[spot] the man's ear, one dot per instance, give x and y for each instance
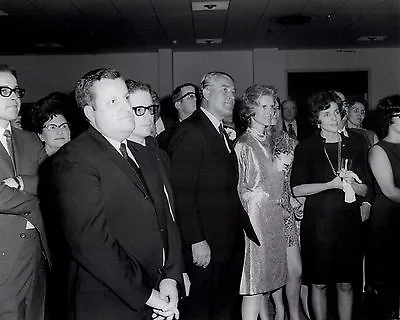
(89, 113)
(206, 93)
(177, 105)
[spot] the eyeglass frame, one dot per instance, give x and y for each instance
(187, 94)
(55, 127)
(153, 107)
(19, 92)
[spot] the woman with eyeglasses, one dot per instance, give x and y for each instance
(383, 258)
(47, 119)
(263, 157)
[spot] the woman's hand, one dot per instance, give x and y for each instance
(336, 183)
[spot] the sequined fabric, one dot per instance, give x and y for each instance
(260, 187)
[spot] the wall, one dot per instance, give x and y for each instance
(166, 69)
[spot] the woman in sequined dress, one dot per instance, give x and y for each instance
(262, 164)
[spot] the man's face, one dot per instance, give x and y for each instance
(289, 111)
(186, 103)
(111, 113)
(145, 122)
(9, 106)
(220, 94)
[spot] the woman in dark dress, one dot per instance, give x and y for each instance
(383, 254)
(330, 229)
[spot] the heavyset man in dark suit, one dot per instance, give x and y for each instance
(23, 246)
(121, 239)
(209, 213)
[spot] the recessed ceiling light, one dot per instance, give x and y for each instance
(48, 45)
(209, 41)
(372, 38)
(210, 6)
(2, 13)
(174, 41)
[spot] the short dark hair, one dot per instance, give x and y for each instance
(178, 89)
(388, 107)
(352, 100)
(45, 109)
(321, 101)
(7, 68)
(250, 100)
(84, 94)
(205, 80)
(134, 86)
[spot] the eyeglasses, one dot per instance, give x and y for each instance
(53, 127)
(187, 95)
(7, 91)
(141, 110)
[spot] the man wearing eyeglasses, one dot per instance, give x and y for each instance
(23, 247)
(210, 216)
(118, 239)
(184, 99)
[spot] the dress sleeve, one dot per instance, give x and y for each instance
(300, 167)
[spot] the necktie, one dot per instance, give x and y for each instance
(291, 131)
(221, 131)
(132, 163)
(10, 147)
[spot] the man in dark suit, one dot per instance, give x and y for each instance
(184, 99)
(23, 248)
(209, 213)
(296, 128)
(121, 239)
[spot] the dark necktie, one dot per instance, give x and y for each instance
(221, 131)
(10, 147)
(132, 163)
(291, 131)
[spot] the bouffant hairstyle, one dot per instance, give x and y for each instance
(55, 103)
(321, 101)
(387, 108)
(250, 100)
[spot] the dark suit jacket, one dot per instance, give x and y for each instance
(114, 228)
(16, 207)
(204, 176)
(304, 128)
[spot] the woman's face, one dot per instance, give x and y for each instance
(395, 125)
(55, 132)
(267, 111)
(356, 114)
(330, 118)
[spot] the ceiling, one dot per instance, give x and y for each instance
(98, 26)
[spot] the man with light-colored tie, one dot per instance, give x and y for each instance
(23, 249)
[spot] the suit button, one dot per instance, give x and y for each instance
(162, 229)
(22, 235)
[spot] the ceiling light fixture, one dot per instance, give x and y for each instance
(210, 6)
(209, 41)
(2, 13)
(372, 38)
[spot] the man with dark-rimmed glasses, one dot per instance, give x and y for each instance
(22, 243)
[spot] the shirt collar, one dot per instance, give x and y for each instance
(116, 144)
(4, 129)
(212, 118)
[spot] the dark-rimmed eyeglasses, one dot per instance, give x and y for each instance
(187, 95)
(53, 127)
(7, 91)
(141, 110)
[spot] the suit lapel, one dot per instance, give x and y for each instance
(5, 162)
(211, 135)
(116, 158)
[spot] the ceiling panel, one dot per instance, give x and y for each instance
(91, 26)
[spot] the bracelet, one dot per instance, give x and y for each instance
(18, 183)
